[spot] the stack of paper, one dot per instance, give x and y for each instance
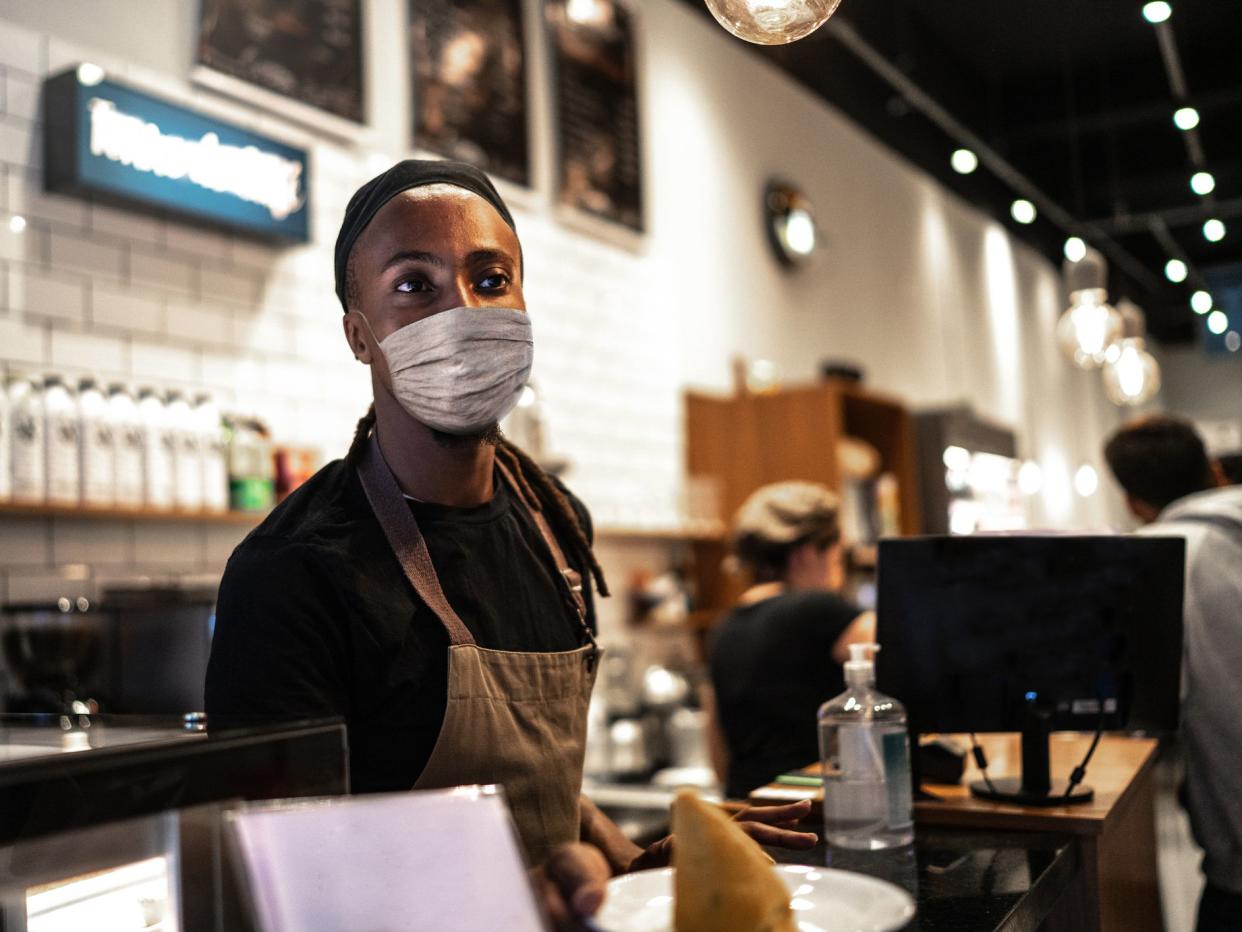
(443, 860)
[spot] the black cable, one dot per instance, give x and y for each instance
(981, 761)
(1080, 772)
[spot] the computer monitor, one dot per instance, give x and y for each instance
(1032, 634)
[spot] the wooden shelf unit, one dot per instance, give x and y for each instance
(745, 441)
(675, 535)
(87, 513)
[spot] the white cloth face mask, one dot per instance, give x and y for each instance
(462, 370)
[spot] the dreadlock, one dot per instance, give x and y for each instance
(534, 484)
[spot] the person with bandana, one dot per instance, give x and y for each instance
(432, 587)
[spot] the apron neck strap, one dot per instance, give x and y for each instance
(570, 576)
(406, 540)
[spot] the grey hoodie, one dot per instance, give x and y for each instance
(1211, 523)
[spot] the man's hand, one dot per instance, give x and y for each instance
(768, 825)
(571, 884)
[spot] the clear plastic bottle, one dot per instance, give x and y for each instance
(865, 753)
(64, 479)
(127, 431)
(98, 467)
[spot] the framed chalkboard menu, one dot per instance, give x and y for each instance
(599, 163)
(285, 54)
(469, 70)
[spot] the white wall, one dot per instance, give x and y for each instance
(1201, 386)
(936, 301)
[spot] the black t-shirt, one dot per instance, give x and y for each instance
(772, 668)
(315, 617)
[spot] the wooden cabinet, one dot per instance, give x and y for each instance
(748, 440)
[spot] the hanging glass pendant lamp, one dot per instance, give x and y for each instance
(772, 22)
(1090, 326)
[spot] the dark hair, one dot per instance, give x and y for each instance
(536, 487)
(1231, 466)
(352, 295)
(1158, 460)
(768, 561)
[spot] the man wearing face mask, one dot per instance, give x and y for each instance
(430, 587)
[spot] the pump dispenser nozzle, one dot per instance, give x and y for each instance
(860, 668)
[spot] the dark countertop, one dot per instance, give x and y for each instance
(964, 880)
(961, 880)
(63, 772)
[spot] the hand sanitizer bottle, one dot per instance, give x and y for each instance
(865, 753)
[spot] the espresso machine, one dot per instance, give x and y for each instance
(139, 649)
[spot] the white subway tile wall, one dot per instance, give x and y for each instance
(88, 288)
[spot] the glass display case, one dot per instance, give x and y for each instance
(60, 772)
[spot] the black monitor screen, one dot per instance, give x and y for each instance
(974, 629)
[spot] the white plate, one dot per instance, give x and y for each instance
(823, 899)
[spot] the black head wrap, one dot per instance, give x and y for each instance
(411, 173)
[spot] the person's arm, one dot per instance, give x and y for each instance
(599, 830)
(572, 883)
(859, 631)
(279, 648)
(717, 748)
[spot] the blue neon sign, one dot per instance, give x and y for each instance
(105, 140)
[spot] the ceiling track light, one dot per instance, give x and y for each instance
(1186, 118)
(1202, 183)
(888, 71)
(964, 161)
(1214, 230)
(1175, 271)
(1156, 12)
(1023, 211)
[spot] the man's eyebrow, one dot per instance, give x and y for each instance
(491, 255)
(413, 256)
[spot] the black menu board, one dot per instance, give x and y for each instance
(599, 168)
(469, 71)
(306, 50)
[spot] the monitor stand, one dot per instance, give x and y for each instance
(1035, 787)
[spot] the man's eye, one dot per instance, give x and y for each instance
(494, 281)
(411, 286)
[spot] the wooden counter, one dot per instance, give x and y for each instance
(1117, 888)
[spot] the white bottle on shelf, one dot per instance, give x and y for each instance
(214, 449)
(26, 451)
(64, 482)
(98, 463)
(6, 448)
(157, 451)
(128, 439)
(187, 458)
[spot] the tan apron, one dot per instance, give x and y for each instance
(512, 718)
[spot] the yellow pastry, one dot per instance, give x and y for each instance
(722, 880)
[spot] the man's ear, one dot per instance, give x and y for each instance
(1219, 479)
(1142, 510)
(356, 334)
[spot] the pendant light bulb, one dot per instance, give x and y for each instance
(772, 22)
(1089, 328)
(1132, 376)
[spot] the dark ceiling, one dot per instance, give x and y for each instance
(1073, 94)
